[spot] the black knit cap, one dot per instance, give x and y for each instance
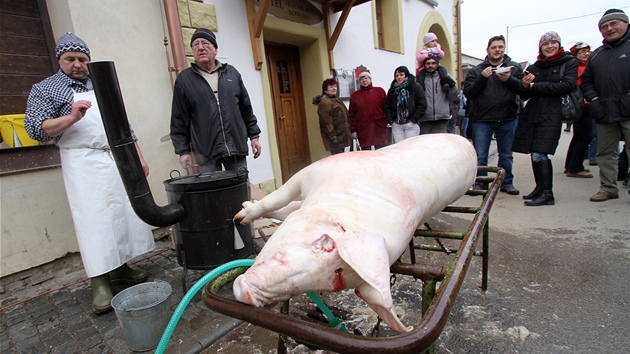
(205, 33)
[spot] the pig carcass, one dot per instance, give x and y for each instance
(350, 216)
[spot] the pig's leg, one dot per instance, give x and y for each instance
(281, 202)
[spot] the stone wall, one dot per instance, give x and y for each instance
(192, 15)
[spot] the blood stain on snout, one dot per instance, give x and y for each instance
(339, 283)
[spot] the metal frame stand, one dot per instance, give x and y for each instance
(436, 303)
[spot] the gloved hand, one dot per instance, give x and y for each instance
(335, 143)
(446, 80)
(354, 135)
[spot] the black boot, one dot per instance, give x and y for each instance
(622, 169)
(546, 179)
(538, 188)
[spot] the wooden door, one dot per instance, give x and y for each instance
(288, 104)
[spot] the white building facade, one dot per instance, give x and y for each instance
(281, 54)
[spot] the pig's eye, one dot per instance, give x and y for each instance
(324, 244)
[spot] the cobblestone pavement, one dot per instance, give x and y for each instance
(48, 309)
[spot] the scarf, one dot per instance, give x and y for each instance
(558, 54)
(402, 95)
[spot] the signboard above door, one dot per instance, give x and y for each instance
(300, 11)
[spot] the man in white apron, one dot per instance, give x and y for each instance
(63, 107)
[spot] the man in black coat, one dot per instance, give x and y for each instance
(606, 84)
(491, 89)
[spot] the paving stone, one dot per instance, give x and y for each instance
(46, 326)
(64, 348)
(71, 308)
(8, 301)
(89, 341)
(30, 345)
(23, 330)
(56, 337)
(45, 317)
(78, 323)
(100, 349)
(60, 296)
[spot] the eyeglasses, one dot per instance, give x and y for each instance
(202, 43)
(609, 24)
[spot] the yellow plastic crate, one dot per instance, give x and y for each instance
(13, 133)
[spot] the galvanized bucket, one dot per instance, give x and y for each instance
(143, 312)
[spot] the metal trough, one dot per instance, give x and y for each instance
(435, 306)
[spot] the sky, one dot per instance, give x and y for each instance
(524, 22)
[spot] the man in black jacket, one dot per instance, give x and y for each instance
(606, 84)
(212, 112)
(490, 89)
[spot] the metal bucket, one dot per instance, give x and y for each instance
(143, 312)
(205, 237)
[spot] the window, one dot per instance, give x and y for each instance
(388, 29)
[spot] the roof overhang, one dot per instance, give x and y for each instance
(256, 20)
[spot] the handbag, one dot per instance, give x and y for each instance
(572, 103)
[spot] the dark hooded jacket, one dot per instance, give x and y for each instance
(215, 131)
(490, 99)
(416, 104)
(540, 122)
(607, 76)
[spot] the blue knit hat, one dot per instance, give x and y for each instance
(71, 43)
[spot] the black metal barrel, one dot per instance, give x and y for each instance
(205, 237)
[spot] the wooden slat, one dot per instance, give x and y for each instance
(12, 104)
(20, 26)
(18, 84)
(19, 7)
(24, 64)
(23, 46)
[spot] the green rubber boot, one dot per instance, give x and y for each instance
(101, 294)
(126, 276)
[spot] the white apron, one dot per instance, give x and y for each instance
(108, 230)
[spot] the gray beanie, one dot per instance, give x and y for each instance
(71, 43)
(205, 33)
(613, 14)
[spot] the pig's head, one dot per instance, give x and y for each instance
(313, 251)
(301, 256)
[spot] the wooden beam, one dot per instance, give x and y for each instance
(256, 20)
(259, 21)
(342, 21)
(326, 14)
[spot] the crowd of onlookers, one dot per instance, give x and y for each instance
(520, 108)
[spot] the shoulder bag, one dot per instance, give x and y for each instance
(572, 102)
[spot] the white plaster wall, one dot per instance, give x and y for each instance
(356, 45)
(35, 222)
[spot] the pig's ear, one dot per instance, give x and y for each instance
(367, 254)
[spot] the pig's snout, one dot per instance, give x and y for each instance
(242, 291)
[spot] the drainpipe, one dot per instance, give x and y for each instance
(175, 32)
(458, 15)
(123, 149)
